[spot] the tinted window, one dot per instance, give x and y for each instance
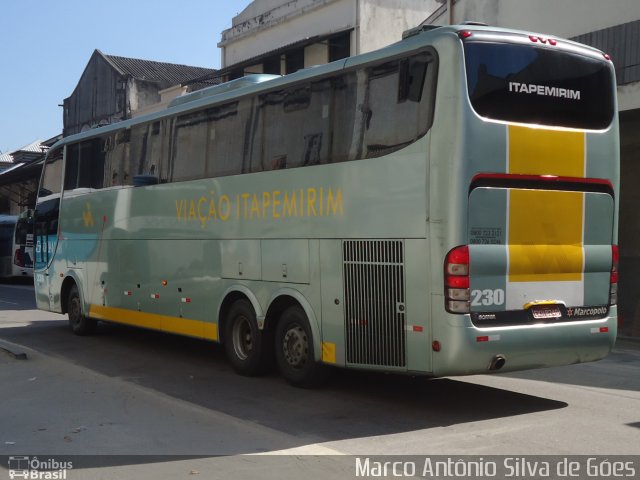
(527, 84)
(52, 177)
(117, 167)
(6, 238)
(85, 165)
(23, 228)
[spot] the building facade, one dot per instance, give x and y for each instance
(280, 37)
(113, 88)
(19, 181)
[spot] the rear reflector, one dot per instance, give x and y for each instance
(458, 294)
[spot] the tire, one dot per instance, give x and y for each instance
(244, 342)
(295, 353)
(79, 323)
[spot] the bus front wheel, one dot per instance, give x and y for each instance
(294, 350)
(244, 342)
(79, 323)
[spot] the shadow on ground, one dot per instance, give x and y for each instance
(353, 405)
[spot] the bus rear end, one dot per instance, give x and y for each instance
(530, 278)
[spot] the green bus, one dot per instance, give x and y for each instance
(446, 205)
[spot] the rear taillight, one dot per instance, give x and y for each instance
(613, 293)
(17, 258)
(456, 280)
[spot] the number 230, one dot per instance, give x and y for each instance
(480, 298)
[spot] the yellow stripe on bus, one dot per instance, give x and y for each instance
(536, 151)
(545, 227)
(182, 326)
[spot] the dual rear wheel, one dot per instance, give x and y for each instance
(251, 351)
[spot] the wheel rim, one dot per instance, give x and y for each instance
(242, 338)
(295, 346)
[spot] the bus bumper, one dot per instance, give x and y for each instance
(466, 349)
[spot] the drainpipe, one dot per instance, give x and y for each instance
(450, 11)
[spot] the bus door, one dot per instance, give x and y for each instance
(46, 225)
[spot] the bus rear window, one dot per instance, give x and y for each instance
(537, 85)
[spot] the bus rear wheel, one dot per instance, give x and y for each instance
(79, 323)
(244, 342)
(295, 353)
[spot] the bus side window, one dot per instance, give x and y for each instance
(85, 165)
(72, 167)
(395, 121)
(225, 136)
(155, 161)
(190, 146)
(47, 208)
(116, 159)
(343, 107)
(91, 164)
(296, 124)
(412, 75)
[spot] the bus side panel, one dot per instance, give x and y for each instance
(418, 306)
(331, 286)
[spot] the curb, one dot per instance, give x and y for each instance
(13, 352)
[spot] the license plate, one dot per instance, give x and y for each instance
(542, 312)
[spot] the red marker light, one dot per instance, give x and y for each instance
(615, 260)
(482, 339)
(464, 34)
(552, 42)
(435, 345)
(606, 56)
(533, 39)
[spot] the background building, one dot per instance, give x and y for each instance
(112, 89)
(19, 181)
(279, 37)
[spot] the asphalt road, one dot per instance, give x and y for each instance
(127, 391)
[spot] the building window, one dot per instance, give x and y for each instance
(340, 46)
(294, 60)
(237, 73)
(272, 65)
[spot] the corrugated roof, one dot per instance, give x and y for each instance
(26, 151)
(161, 72)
